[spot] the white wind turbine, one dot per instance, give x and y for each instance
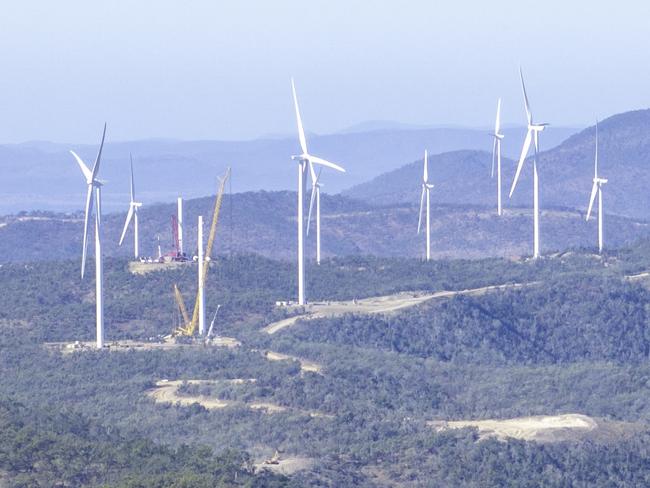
(426, 188)
(597, 188)
(133, 213)
(304, 159)
(94, 189)
(496, 155)
(532, 135)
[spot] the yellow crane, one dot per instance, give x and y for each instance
(190, 325)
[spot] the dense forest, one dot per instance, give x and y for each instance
(41, 448)
(575, 339)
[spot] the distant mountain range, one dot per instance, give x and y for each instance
(566, 172)
(43, 175)
(380, 216)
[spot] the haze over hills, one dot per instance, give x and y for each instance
(382, 217)
(43, 175)
(264, 223)
(566, 172)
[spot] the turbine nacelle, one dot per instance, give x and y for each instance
(304, 157)
(537, 127)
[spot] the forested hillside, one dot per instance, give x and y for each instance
(574, 337)
(45, 448)
(264, 223)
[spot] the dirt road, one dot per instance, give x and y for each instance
(383, 304)
(166, 391)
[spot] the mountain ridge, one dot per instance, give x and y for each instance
(43, 175)
(566, 172)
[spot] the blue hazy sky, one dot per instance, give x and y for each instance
(220, 70)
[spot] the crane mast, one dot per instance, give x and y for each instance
(190, 326)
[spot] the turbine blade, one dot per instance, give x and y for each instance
(497, 124)
(314, 189)
(301, 131)
(323, 162)
(312, 173)
(129, 215)
(84, 169)
(421, 207)
(594, 190)
(99, 154)
(89, 210)
(529, 116)
(524, 153)
(132, 183)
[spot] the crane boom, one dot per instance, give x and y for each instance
(208, 249)
(191, 324)
(181, 306)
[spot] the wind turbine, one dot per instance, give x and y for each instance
(426, 188)
(303, 159)
(133, 213)
(94, 189)
(496, 155)
(532, 135)
(597, 188)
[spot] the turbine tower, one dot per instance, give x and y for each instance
(94, 190)
(303, 159)
(426, 187)
(532, 135)
(597, 188)
(496, 155)
(201, 285)
(132, 213)
(179, 218)
(315, 196)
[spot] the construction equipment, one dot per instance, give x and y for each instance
(275, 459)
(181, 306)
(175, 255)
(190, 325)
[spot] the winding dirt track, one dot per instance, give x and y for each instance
(376, 305)
(166, 391)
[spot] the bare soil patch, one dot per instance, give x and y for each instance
(545, 428)
(129, 345)
(305, 364)
(286, 465)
